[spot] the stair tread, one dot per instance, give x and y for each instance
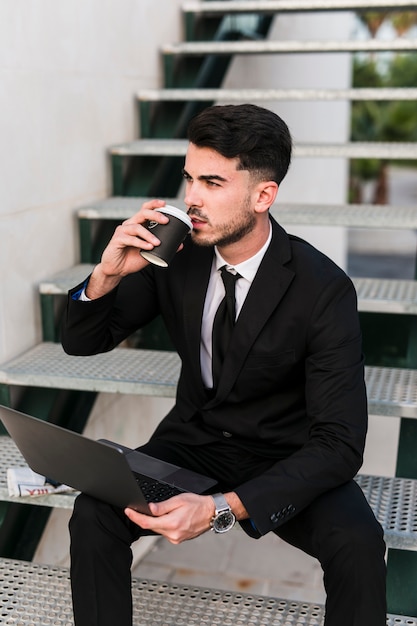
(178, 147)
(391, 391)
(392, 499)
(268, 46)
(123, 370)
(174, 603)
(34, 593)
(386, 295)
(251, 95)
(352, 215)
(119, 207)
(272, 6)
(10, 457)
(374, 294)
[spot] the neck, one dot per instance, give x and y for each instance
(246, 247)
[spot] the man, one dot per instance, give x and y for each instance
(282, 428)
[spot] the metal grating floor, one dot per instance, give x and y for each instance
(268, 46)
(356, 215)
(391, 391)
(241, 95)
(353, 150)
(383, 295)
(123, 370)
(386, 296)
(11, 457)
(241, 6)
(393, 500)
(380, 295)
(39, 595)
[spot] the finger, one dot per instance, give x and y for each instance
(147, 212)
(135, 236)
(144, 521)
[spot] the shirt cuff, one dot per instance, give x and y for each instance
(80, 294)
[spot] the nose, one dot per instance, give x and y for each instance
(192, 197)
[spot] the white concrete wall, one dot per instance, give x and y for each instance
(69, 71)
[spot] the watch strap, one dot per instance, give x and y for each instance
(220, 503)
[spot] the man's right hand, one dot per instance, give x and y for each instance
(121, 256)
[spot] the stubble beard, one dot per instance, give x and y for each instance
(228, 233)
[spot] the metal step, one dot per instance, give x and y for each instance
(40, 594)
(350, 215)
(230, 48)
(354, 150)
(374, 294)
(394, 503)
(269, 7)
(11, 457)
(391, 391)
(393, 500)
(386, 296)
(271, 95)
(123, 370)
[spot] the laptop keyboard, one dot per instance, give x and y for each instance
(155, 491)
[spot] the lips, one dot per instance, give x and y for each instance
(197, 222)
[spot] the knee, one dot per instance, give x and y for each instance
(95, 523)
(357, 542)
(87, 512)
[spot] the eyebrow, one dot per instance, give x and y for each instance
(206, 176)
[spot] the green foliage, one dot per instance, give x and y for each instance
(385, 121)
(366, 73)
(402, 71)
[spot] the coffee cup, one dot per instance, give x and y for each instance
(171, 235)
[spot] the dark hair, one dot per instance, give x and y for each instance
(258, 137)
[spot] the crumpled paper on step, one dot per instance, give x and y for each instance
(22, 481)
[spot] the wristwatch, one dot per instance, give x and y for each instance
(223, 519)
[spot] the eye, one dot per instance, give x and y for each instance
(186, 176)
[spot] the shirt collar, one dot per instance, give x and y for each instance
(247, 269)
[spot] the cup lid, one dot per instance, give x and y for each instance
(175, 212)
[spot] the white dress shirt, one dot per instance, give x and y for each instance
(215, 294)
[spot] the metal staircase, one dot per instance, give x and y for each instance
(52, 385)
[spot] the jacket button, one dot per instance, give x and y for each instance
(226, 434)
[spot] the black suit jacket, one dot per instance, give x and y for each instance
(292, 386)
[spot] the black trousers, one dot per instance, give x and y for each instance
(338, 528)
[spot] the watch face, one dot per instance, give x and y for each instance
(223, 522)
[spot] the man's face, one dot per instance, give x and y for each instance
(219, 198)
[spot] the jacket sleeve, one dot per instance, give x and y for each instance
(336, 408)
(99, 325)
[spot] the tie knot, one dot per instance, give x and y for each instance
(229, 279)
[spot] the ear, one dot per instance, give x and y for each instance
(266, 194)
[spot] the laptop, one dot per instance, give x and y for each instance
(102, 469)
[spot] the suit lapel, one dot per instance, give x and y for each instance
(196, 282)
(268, 288)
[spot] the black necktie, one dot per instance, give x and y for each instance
(224, 320)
